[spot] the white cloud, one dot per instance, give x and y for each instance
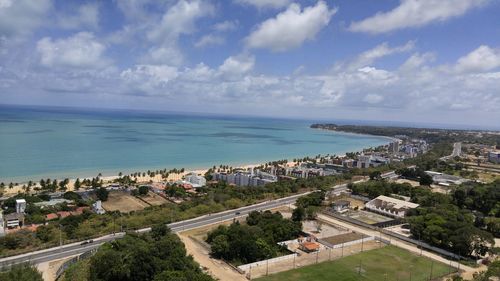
(79, 51)
(149, 78)
(87, 15)
(483, 58)
(163, 55)
(417, 60)
(226, 26)
(208, 40)
(368, 57)
(235, 66)
(291, 28)
(18, 18)
(177, 20)
(180, 19)
(262, 4)
(373, 98)
(415, 13)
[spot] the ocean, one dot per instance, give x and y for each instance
(44, 142)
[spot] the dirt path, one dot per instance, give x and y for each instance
(467, 271)
(216, 268)
(49, 269)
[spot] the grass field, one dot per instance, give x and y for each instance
(387, 263)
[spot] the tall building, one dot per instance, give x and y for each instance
(394, 147)
(20, 206)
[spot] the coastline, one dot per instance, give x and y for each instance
(107, 175)
(357, 134)
(157, 178)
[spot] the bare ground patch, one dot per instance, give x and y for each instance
(123, 202)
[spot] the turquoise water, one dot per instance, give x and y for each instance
(41, 142)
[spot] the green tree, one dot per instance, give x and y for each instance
(102, 194)
(298, 214)
(21, 272)
(77, 184)
(425, 179)
(220, 246)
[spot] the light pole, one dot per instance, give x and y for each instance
(60, 235)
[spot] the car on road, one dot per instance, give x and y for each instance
(87, 242)
(237, 213)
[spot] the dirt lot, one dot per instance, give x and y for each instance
(354, 202)
(412, 183)
(154, 199)
(123, 202)
(344, 238)
(326, 230)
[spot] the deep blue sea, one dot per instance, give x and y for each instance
(38, 142)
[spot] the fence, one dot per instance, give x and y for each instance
(72, 261)
(301, 259)
(337, 246)
(246, 267)
(420, 244)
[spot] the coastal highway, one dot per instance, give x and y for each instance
(77, 248)
(74, 249)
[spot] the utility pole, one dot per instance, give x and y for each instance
(267, 267)
(60, 235)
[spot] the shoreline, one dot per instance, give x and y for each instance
(157, 178)
(107, 177)
(357, 134)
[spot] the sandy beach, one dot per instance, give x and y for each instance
(140, 179)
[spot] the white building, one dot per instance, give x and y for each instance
(195, 180)
(2, 227)
(20, 206)
(97, 208)
(14, 220)
(494, 156)
(445, 179)
(390, 206)
(245, 178)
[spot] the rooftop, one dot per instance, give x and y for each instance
(396, 203)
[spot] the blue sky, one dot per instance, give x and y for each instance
(401, 60)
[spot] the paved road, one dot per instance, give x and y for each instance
(457, 151)
(76, 248)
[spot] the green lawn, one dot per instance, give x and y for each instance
(387, 263)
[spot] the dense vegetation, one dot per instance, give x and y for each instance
(21, 272)
(213, 198)
(431, 135)
(158, 255)
(256, 240)
(463, 222)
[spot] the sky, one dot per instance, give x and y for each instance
(432, 61)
